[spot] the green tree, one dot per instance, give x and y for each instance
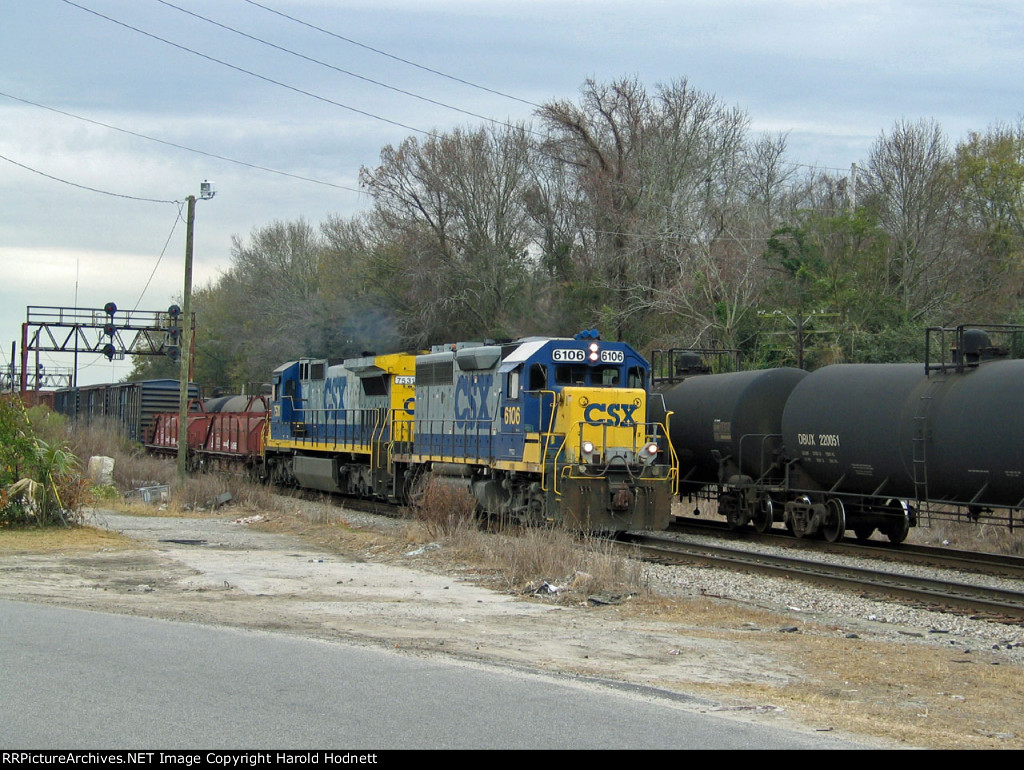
(990, 177)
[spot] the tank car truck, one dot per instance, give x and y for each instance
(545, 430)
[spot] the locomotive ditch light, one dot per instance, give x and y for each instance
(588, 448)
(649, 452)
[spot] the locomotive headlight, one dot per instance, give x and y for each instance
(595, 353)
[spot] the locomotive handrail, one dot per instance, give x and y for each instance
(673, 461)
(548, 434)
(359, 433)
(435, 443)
(377, 438)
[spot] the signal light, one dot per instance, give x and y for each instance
(108, 350)
(110, 308)
(172, 352)
(109, 329)
(174, 311)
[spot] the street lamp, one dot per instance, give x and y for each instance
(206, 192)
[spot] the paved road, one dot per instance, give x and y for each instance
(76, 679)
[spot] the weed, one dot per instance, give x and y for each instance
(444, 510)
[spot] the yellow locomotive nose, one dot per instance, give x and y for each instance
(602, 425)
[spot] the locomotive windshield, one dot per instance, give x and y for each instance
(598, 376)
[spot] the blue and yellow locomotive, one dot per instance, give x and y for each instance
(337, 428)
(539, 430)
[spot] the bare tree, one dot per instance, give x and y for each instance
(669, 178)
(910, 180)
(455, 206)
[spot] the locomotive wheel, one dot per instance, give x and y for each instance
(764, 515)
(834, 526)
(863, 532)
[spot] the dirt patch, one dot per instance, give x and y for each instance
(330, 578)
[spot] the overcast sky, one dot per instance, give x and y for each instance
(832, 75)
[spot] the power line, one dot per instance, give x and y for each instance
(313, 60)
(82, 186)
(244, 71)
(327, 100)
(180, 146)
(392, 56)
(446, 75)
(177, 218)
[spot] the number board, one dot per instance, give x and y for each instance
(565, 355)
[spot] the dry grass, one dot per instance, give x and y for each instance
(60, 539)
(444, 510)
(134, 468)
(520, 560)
(970, 536)
(911, 693)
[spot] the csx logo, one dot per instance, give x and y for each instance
(616, 415)
(471, 396)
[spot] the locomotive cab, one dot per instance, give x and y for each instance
(292, 386)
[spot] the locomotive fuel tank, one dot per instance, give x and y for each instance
(728, 424)
(890, 431)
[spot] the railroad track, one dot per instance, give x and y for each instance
(984, 602)
(1001, 565)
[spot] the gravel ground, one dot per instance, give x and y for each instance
(861, 614)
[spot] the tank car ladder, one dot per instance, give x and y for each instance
(919, 467)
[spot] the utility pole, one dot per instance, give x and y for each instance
(186, 343)
(206, 192)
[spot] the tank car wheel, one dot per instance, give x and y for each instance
(764, 515)
(863, 532)
(834, 526)
(734, 510)
(897, 531)
(798, 516)
(736, 520)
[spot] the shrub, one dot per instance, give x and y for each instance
(40, 479)
(444, 509)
